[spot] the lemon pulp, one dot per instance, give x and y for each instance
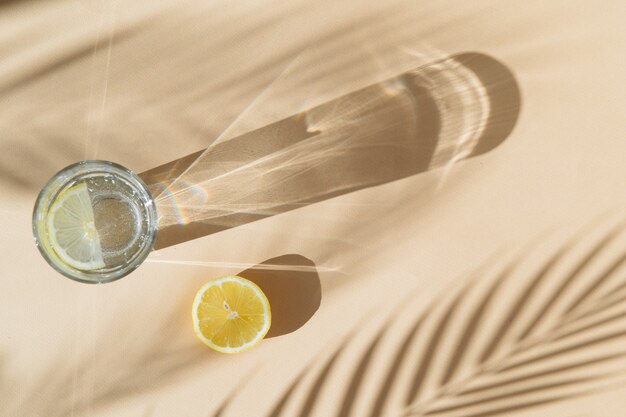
(231, 314)
(72, 230)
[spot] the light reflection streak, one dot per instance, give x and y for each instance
(224, 135)
(244, 265)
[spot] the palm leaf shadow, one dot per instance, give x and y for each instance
(522, 363)
(54, 393)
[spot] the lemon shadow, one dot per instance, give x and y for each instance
(292, 286)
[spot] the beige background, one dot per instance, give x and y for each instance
(147, 82)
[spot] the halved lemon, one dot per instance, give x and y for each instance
(231, 314)
(72, 230)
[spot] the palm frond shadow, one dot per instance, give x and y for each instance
(548, 336)
(56, 393)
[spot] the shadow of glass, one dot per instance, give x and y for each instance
(431, 117)
(9, 2)
(293, 288)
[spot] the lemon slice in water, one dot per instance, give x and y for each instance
(72, 230)
(231, 314)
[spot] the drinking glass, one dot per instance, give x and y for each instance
(95, 221)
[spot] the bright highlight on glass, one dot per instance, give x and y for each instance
(95, 221)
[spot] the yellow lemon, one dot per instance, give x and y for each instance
(72, 231)
(231, 314)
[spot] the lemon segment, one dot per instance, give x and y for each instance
(231, 314)
(72, 231)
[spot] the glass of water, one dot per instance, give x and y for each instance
(95, 221)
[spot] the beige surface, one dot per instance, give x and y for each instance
(148, 82)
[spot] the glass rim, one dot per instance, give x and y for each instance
(57, 183)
